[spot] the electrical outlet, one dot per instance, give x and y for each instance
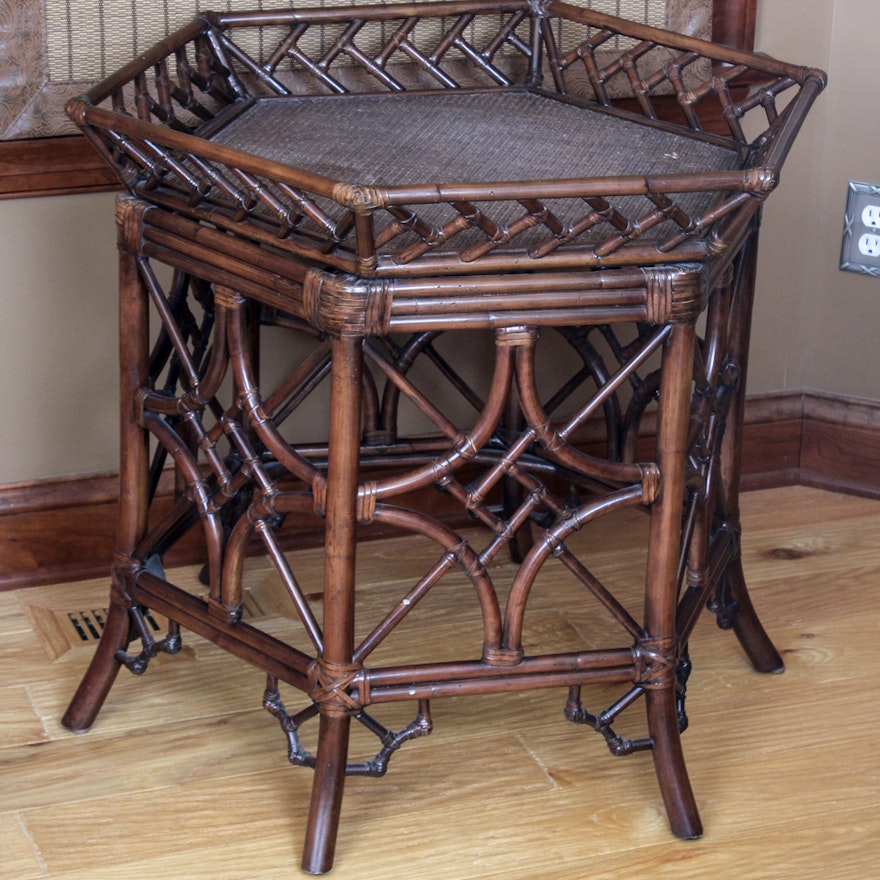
(861, 229)
(869, 245)
(871, 216)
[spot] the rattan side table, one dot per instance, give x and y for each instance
(370, 180)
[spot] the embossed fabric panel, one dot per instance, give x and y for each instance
(89, 39)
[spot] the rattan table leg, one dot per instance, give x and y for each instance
(733, 603)
(661, 647)
(327, 789)
(99, 677)
(675, 787)
(334, 663)
(133, 500)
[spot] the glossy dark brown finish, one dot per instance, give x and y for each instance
(619, 265)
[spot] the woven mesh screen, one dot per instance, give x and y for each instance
(89, 39)
(651, 12)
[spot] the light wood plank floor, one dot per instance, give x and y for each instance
(185, 776)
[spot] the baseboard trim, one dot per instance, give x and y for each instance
(63, 529)
(813, 439)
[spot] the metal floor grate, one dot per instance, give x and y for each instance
(88, 625)
(58, 630)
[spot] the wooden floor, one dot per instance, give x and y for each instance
(185, 775)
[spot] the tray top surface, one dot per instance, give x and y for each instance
(396, 139)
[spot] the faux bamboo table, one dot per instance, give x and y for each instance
(373, 180)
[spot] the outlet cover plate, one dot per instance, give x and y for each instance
(862, 204)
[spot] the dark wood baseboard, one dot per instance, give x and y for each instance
(840, 448)
(812, 439)
(58, 530)
(52, 166)
(772, 440)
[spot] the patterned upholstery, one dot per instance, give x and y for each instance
(51, 50)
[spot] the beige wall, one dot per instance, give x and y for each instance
(57, 336)
(816, 326)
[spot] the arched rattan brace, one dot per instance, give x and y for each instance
(457, 552)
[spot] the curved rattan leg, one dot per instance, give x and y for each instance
(134, 470)
(735, 611)
(732, 602)
(733, 606)
(660, 648)
(102, 671)
(333, 671)
(675, 787)
(327, 790)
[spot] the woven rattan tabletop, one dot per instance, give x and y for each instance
(394, 139)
